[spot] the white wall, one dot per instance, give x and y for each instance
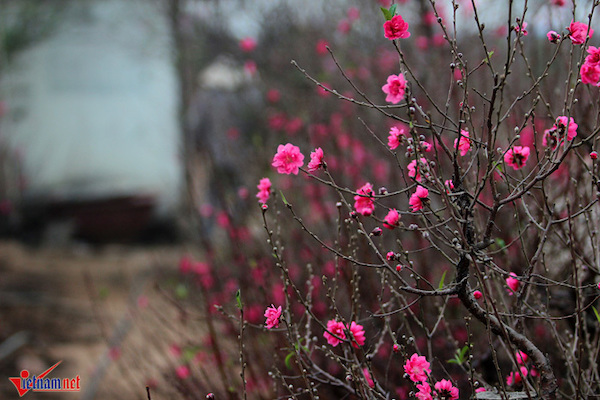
(93, 109)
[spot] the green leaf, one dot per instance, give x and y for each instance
(238, 298)
(393, 10)
(500, 242)
(103, 293)
(463, 353)
(386, 13)
(453, 361)
(181, 291)
(288, 360)
(283, 198)
(596, 312)
(442, 281)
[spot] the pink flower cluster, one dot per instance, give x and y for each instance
(516, 377)
(414, 168)
(418, 369)
(395, 137)
(335, 333)
(362, 204)
(264, 190)
(590, 70)
(464, 143)
(562, 127)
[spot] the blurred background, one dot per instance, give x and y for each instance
(133, 134)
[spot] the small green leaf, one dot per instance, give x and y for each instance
(453, 361)
(500, 242)
(103, 293)
(596, 312)
(463, 353)
(386, 13)
(283, 198)
(181, 291)
(288, 360)
(393, 10)
(238, 298)
(442, 281)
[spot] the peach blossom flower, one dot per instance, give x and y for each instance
(336, 328)
(417, 368)
(364, 205)
(417, 198)
(272, 314)
(394, 137)
(264, 190)
(446, 390)
(396, 28)
(578, 31)
(358, 334)
(517, 156)
(464, 143)
(316, 160)
(513, 283)
(288, 159)
(391, 219)
(394, 88)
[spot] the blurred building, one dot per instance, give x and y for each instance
(92, 112)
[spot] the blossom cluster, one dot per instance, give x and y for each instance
(418, 370)
(335, 333)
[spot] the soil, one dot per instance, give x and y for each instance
(96, 309)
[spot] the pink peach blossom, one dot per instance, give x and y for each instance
(272, 314)
(417, 198)
(182, 371)
(521, 28)
(561, 124)
(464, 143)
(477, 294)
(358, 334)
(391, 219)
(248, 44)
(336, 328)
(394, 137)
(424, 392)
(553, 36)
(394, 88)
(264, 190)
(512, 282)
(316, 160)
(517, 156)
(368, 378)
(578, 31)
(321, 47)
(396, 28)
(417, 368)
(288, 159)
(446, 390)
(364, 205)
(590, 74)
(414, 168)
(521, 357)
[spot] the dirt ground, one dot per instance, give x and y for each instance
(94, 308)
